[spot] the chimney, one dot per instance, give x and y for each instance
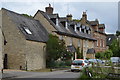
(69, 17)
(84, 17)
(49, 9)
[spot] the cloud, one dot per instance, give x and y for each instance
(106, 12)
(60, 0)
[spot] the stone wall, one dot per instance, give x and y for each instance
(21, 53)
(100, 45)
(44, 22)
(1, 44)
(15, 47)
(35, 55)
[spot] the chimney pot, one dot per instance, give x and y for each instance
(49, 9)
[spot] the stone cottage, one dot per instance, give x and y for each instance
(75, 34)
(25, 41)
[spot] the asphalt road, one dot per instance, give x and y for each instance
(55, 75)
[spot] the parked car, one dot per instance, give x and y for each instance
(115, 60)
(95, 61)
(79, 64)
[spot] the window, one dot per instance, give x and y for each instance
(61, 37)
(87, 31)
(71, 41)
(100, 42)
(78, 29)
(27, 30)
(103, 44)
(85, 44)
(78, 43)
(82, 30)
(97, 42)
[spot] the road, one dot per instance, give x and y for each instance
(55, 75)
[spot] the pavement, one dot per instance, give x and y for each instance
(21, 75)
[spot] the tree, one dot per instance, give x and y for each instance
(55, 50)
(104, 55)
(99, 55)
(108, 54)
(79, 55)
(115, 48)
(117, 33)
(27, 15)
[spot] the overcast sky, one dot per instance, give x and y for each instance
(105, 12)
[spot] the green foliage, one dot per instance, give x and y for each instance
(55, 50)
(76, 20)
(79, 55)
(27, 15)
(108, 54)
(99, 55)
(117, 33)
(104, 55)
(115, 48)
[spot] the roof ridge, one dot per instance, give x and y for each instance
(17, 13)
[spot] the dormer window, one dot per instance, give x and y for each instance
(87, 31)
(63, 23)
(78, 28)
(72, 27)
(53, 20)
(82, 30)
(27, 30)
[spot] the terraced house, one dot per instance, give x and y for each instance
(25, 37)
(25, 41)
(75, 34)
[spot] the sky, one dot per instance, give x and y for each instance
(106, 11)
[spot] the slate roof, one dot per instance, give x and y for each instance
(53, 15)
(63, 31)
(91, 51)
(39, 33)
(110, 38)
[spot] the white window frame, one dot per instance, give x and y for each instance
(78, 43)
(27, 30)
(97, 42)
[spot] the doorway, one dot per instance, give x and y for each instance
(5, 61)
